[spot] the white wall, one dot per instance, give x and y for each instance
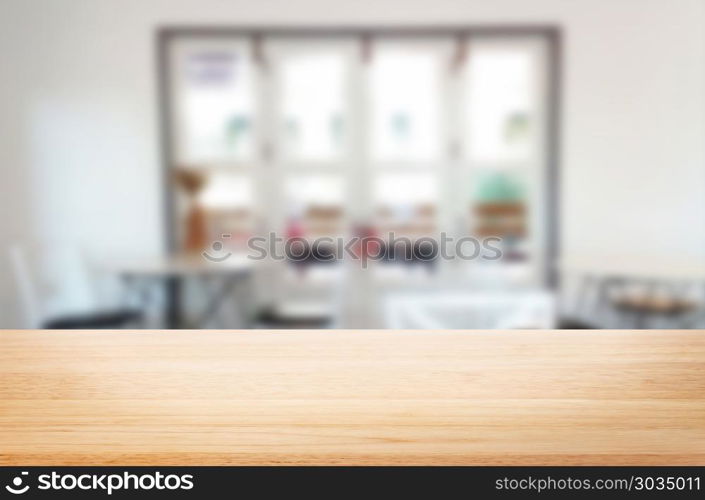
(79, 144)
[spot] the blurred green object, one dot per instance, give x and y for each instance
(517, 127)
(499, 187)
(236, 126)
(336, 127)
(401, 124)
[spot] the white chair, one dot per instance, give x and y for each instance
(55, 292)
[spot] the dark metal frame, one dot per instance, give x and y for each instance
(552, 34)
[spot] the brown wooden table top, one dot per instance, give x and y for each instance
(352, 397)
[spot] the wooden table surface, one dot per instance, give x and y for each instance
(352, 397)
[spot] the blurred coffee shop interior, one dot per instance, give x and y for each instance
(146, 143)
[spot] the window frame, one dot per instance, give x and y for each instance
(166, 36)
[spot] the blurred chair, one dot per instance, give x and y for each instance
(295, 315)
(55, 292)
(303, 311)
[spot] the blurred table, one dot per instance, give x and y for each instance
(598, 273)
(172, 271)
(361, 397)
(628, 266)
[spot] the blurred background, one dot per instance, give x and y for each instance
(146, 142)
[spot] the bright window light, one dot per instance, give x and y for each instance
(500, 116)
(217, 104)
(313, 103)
(404, 88)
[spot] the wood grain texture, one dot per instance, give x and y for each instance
(352, 397)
